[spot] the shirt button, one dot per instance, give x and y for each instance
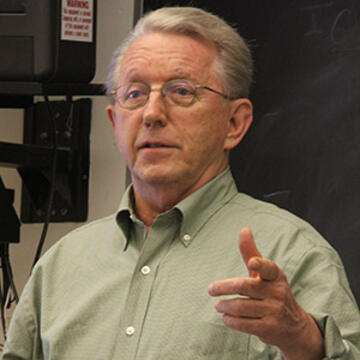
(130, 330)
(145, 270)
(186, 238)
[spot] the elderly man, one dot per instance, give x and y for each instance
(140, 284)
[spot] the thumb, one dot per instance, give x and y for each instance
(248, 248)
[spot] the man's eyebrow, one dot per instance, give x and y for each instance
(134, 78)
(183, 75)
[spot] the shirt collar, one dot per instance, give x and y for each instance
(199, 207)
(125, 215)
(196, 209)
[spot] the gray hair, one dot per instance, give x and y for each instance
(234, 68)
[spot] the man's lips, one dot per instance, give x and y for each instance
(155, 145)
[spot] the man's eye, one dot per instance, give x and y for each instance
(183, 91)
(135, 94)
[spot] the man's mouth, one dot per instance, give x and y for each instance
(154, 145)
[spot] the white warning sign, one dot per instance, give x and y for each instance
(77, 20)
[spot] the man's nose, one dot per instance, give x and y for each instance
(154, 111)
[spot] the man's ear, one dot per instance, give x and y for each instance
(240, 119)
(110, 112)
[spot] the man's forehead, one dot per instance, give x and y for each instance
(180, 55)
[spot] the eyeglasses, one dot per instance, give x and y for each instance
(177, 92)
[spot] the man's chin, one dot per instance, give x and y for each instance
(156, 176)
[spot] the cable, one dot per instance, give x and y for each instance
(7, 286)
(2, 309)
(10, 276)
(52, 126)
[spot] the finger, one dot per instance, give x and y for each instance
(248, 247)
(247, 325)
(267, 269)
(254, 288)
(239, 307)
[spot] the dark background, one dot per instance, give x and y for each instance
(303, 150)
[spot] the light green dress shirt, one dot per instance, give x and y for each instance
(105, 291)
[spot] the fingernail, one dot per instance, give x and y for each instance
(255, 263)
(218, 306)
(225, 319)
(210, 288)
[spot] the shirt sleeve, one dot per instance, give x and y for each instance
(321, 287)
(23, 342)
(336, 346)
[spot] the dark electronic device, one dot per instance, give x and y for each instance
(47, 40)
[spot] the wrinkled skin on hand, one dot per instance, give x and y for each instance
(267, 308)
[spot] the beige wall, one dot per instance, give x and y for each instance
(107, 170)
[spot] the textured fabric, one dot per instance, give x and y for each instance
(106, 292)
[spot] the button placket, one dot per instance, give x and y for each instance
(153, 250)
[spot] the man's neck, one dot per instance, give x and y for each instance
(151, 201)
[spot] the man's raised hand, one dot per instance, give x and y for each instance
(265, 306)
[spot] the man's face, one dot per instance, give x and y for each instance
(164, 143)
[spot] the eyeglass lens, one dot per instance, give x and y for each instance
(179, 92)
